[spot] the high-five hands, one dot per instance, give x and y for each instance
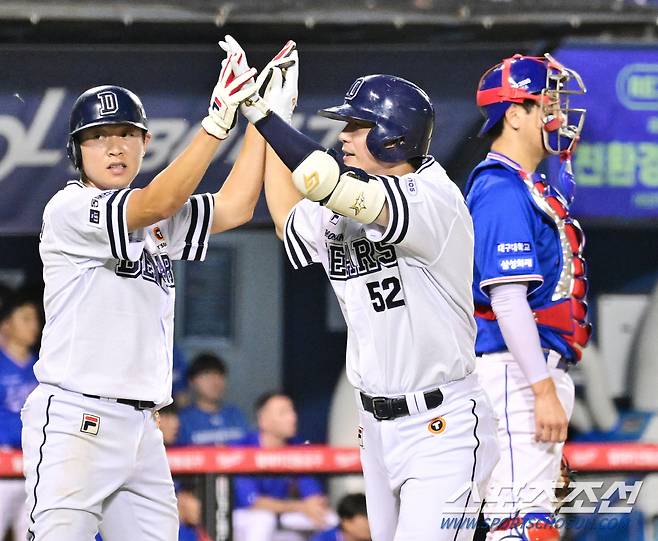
(275, 89)
(231, 89)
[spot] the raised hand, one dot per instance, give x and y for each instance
(231, 46)
(278, 82)
(231, 89)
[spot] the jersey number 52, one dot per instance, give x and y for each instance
(384, 294)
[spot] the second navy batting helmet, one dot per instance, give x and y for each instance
(400, 113)
(102, 105)
(540, 79)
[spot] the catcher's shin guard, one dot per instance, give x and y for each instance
(539, 527)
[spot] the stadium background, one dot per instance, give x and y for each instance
(279, 328)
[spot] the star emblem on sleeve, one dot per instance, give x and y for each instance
(359, 204)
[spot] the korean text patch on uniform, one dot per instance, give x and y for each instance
(515, 257)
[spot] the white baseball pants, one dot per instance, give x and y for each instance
(420, 483)
(83, 475)
(521, 480)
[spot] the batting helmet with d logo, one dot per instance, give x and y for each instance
(400, 113)
(101, 105)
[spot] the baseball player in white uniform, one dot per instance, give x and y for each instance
(395, 239)
(93, 456)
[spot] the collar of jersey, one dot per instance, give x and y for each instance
(427, 162)
(497, 156)
(75, 183)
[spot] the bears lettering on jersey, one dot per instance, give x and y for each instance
(157, 270)
(358, 257)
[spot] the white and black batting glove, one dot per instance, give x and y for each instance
(277, 81)
(231, 89)
(278, 87)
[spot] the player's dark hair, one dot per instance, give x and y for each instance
(5, 293)
(497, 129)
(264, 398)
(351, 505)
(171, 409)
(206, 362)
(415, 162)
(13, 300)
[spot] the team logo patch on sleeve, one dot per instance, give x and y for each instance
(436, 426)
(90, 424)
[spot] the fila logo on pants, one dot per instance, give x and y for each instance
(90, 424)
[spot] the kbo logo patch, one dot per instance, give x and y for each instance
(90, 424)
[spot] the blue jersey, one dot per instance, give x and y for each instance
(202, 428)
(178, 380)
(328, 535)
(518, 223)
(16, 383)
(191, 533)
(248, 489)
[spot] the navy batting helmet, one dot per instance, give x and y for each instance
(541, 79)
(400, 113)
(102, 105)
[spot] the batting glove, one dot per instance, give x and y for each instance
(231, 46)
(231, 89)
(278, 86)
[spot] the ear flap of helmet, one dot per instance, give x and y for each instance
(387, 141)
(73, 152)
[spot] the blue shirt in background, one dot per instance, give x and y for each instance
(248, 489)
(202, 428)
(16, 383)
(191, 533)
(179, 371)
(328, 535)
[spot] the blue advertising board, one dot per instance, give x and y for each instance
(616, 162)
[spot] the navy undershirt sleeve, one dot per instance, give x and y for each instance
(290, 145)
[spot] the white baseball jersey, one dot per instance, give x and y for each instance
(109, 294)
(404, 290)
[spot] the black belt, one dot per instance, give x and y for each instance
(384, 408)
(137, 404)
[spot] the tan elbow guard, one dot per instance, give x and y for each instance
(357, 199)
(318, 178)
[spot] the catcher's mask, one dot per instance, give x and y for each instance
(543, 80)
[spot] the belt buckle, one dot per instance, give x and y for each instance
(381, 409)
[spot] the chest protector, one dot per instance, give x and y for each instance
(566, 312)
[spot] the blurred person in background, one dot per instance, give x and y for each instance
(189, 512)
(179, 388)
(20, 326)
(169, 424)
(297, 503)
(353, 518)
(209, 420)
